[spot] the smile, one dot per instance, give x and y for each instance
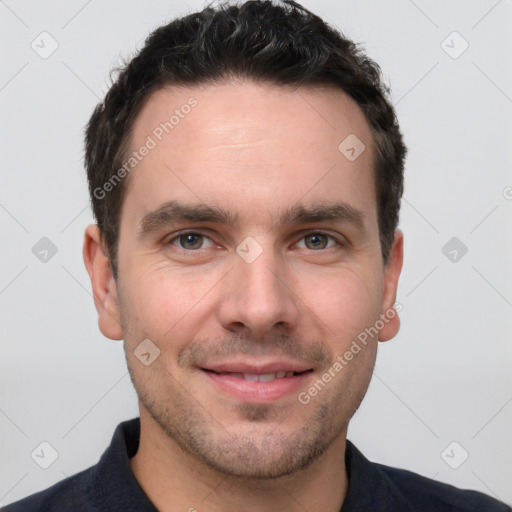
(257, 387)
(267, 377)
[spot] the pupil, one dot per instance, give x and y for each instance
(317, 237)
(190, 238)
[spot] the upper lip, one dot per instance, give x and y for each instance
(257, 368)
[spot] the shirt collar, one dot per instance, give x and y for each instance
(114, 486)
(369, 487)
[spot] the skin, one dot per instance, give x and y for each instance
(254, 149)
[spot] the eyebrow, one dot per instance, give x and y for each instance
(174, 211)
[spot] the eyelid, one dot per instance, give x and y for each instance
(179, 234)
(340, 240)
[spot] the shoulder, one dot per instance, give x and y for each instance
(374, 487)
(427, 495)
(62, 496)
(107, 485)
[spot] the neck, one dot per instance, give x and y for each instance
(175, 480)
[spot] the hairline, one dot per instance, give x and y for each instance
(318, 87)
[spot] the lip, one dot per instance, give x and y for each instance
(257, 368)
(256, 391)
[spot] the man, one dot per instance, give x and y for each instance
(245, 171)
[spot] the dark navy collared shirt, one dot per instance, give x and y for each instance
(110, 486)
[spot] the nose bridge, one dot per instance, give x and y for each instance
(259, 294)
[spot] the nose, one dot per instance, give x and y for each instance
(259, 297)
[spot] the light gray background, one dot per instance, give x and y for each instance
(446, 376)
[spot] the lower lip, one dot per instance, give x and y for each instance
(255, 391)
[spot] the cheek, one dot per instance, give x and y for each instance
(160, 304)
(347, 304)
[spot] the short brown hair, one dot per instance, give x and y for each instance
(283, 44)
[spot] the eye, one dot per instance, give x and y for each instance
(318, 240)
(189, 241)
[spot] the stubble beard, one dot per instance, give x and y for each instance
(264, 451)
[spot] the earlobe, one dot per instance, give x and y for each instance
(104, 287)
(389, 314)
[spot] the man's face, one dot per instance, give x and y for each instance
(262, 295)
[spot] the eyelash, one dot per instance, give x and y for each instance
(183, 233)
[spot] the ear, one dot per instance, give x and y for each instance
(104, 287)
(391, 274)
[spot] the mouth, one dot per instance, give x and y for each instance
(257, 384)
(256, 377)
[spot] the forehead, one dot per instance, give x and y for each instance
(251, 147)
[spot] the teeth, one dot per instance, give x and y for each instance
(267, 377)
